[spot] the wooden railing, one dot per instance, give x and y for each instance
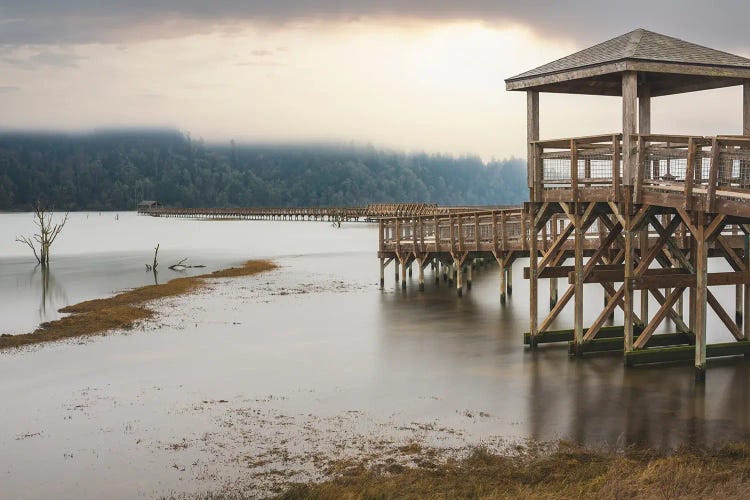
(481, 231)
(709, 173)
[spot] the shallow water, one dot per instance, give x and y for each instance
(259, 377)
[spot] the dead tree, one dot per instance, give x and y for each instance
(47, 232)
(152, 267)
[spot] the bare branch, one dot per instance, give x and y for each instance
(30, 243)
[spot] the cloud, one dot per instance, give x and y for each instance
(589, 21)
(9, 89)
(36, 60)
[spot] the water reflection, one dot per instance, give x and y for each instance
(474, 344)
(51, 292)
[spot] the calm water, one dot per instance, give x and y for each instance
(311, 358)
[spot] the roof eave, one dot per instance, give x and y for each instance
(650, 66)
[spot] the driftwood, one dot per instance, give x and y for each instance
(181, 266)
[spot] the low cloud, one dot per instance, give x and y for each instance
(115, 21)
(43, 59)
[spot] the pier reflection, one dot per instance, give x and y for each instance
(471, 349)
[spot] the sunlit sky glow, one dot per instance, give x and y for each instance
(404, 82)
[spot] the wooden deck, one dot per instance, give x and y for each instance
(648, 236)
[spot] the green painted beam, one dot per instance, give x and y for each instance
(618, 343)
(684, 353)
(551, 336)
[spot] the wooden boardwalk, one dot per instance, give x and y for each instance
(369, 213)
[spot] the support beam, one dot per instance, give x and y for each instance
(500, 257)
(382, 273)
(628, 281)
(532, 133)
(580, 234)
(533, 281)
(644, 110)
(403, 274)
(420, 263)
(701, 299)
(746, 287)
(459, 278)
(629, 110)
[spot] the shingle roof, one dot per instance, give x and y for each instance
(642, 45)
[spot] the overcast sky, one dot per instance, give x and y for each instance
(416, 75)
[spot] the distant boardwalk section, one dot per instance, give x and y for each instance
(369, 213)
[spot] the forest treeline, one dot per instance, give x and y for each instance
(116, 170)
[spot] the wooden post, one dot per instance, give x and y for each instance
(691, 295)
(746, 325)
(468, 276)
(628, 282)
(553, 281)
(532, 134)
(701, 298)
(580, 234)
(420, 263)
(509, 279)
(382, 273)
(644, 110)
(533, 281)
(501, 263)
(644, 128)
(403, 274)
(643, 247)
(459, 277)
(629, 109)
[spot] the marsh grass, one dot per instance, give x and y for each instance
(567, 471)
(125, 309)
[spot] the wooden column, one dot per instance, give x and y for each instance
(532, 134)
(501, 263)
(644, 128)
(701, 298)
(509, 279)
(643, 248)
(644, 110)
(403, 274)
(382, 273)
(459, 277)
(533, 280)
(628, 283)
(553, 281)
(580, 234)
(629, 110)
(421, 264)
(469, 272)
(746, 325)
